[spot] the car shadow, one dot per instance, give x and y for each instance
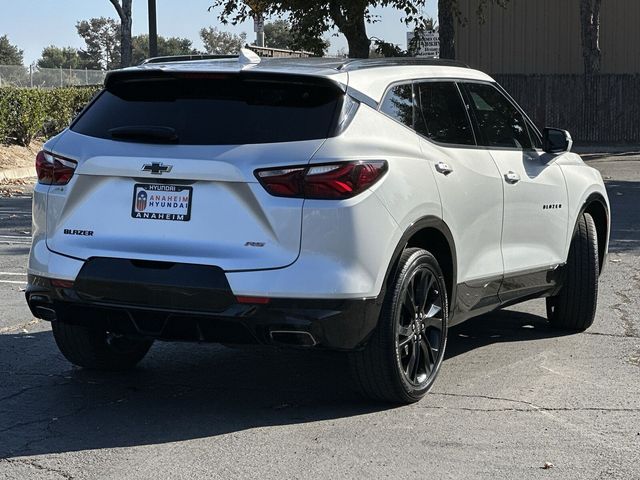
(179, 392)
(624, 197)
(189, 391)
(502, 326)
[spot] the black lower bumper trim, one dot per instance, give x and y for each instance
(159, 284)
(331, 324)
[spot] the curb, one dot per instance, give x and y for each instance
(16, 173)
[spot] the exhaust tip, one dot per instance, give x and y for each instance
(47, 314)
(293, 337)
(42, 307)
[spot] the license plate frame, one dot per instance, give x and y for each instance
(142, 207)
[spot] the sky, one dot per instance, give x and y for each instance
(35, 24)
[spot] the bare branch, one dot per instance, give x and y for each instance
(118, 8)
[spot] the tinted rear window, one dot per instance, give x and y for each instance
(216, 111)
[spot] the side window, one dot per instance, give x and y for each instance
(500, 123)
(442, 116)
(535, 138)
(398, 104)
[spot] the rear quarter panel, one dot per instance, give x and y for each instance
(366, 234)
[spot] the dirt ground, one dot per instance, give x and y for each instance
(16, 156)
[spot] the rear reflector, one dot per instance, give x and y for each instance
(254, 300)
(335, 181)
(55, 282)
(54, 170)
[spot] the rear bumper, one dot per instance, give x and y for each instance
(331, 324)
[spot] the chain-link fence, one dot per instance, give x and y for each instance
(19, 76)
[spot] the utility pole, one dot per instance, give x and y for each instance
(153, 29)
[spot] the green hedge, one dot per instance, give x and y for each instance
(27, 113)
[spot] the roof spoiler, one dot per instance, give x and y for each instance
(186, 58)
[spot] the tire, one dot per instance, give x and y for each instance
(402, 358)
(574, 308)
(97, 349)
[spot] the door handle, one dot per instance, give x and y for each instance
(443, 168)
(511, 177)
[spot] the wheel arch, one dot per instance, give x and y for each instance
(596, 206)
(432, 234)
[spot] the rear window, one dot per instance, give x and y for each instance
(213, 111)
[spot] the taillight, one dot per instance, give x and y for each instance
(335, 181)
(54, 170)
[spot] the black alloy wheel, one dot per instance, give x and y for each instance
(419, 328)
(403, 356)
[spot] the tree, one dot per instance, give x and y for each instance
(56, 57)
(102, 39)
(278, 35)
(9, 54)
(217, 42)
(281, 34)
(448, 12)
(315, 18)
(590, 22)
(166, 47)
(123, 7)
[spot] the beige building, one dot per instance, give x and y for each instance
(543, 36)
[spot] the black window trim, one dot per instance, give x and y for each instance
(474, 126)
(464, 106)
(390, 87)
(413, 81)
(530, 125)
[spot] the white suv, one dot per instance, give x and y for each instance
(360, 205)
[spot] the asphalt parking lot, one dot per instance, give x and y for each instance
(513, 395)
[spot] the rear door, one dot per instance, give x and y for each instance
(535, 195)
(470, 188)
(166, 162)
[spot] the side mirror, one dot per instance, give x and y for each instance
(556, 140)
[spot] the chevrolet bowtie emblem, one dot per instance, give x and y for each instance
(157, 168)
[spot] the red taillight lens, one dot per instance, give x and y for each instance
(54, 170)
(335, 181)
(283, 182)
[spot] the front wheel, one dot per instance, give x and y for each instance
(574, 308)
(402, 359)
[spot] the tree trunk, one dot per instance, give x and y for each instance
(124, 12)
(349, 18)
(590, 21)
(359, 44)
(446, 29)
(125, 39)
